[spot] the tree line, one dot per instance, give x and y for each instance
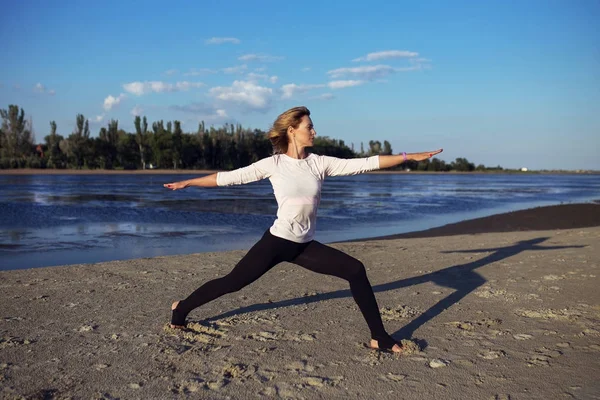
(166, 146)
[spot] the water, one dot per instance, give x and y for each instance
(67, 219)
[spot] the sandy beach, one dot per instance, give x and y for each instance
(506, 307)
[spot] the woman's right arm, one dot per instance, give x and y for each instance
(205, 181)
(252, 173)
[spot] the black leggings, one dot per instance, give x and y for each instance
(314, 256)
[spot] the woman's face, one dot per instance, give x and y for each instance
(305, 133)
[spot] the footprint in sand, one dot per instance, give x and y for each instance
(321, 381)
(100, 367)
(538, 361)
(236, 372)
(589, 332)
(553, 277)
(391, 377)
(542, 357)
(239, 371)
(10, 341)
(522, 336)
(464, 362)
(491, 354)
(87, 328)
(298, 336)
(284, 390)
(560, 315)
(488, 292)
(399, 313)
(195, 334)
(438, 363)
(300, 366)
(215, 385)
(262, 336)
(469, 328)
(263, 350)
(262, 319)
(188, 387)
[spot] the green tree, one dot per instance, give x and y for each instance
(161, 145)
(56, 158)
(16, 139)
(108, 147)
(128, 156)
(141, 133)
(177, 144)
(436, 165)
(78, 143)
(374, 147)
(387, 148)
(462, 165)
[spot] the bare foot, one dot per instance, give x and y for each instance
(395, 349)
(173, 307)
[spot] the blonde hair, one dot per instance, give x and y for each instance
(278, 132)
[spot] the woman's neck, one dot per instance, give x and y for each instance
(297, 153)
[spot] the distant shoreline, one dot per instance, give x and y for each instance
(31, 171)
(542, 218)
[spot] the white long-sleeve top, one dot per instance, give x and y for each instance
(297, 187)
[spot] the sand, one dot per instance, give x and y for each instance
(495, 315)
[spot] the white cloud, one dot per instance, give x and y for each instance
(202, 111)
(140, 88)
(253, 76)
(238, 69)
(247, 94)
(344, 84)
(185, 85)
(324, 96)
(137, 111)
(222, 40)
(41, 89)
(199, 71)
(110, 102)
(171, 72)
(305, 69)
(291, 89)
(259, 57)
(384, 55)
(367, 72)
(98, 119)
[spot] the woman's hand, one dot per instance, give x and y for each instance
(176, 185)
(424, 156)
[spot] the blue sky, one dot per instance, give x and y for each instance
(497, 82)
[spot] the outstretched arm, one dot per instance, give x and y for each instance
(252, 173)
(205, 181)
(392, 161)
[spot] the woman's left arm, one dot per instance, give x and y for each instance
(392, 161)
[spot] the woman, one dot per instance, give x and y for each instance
(296, 177)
